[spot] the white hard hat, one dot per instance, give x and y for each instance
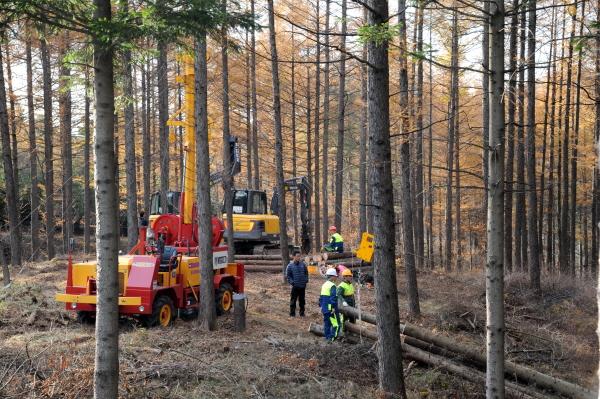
(331, 272)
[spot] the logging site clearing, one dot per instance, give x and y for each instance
(46, 353)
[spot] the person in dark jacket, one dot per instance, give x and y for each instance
(297, 276)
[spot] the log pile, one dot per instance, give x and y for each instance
(317, 263)
(427, 347)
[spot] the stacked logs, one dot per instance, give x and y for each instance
(427, 347)
(317, 263)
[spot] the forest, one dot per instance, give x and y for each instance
(438, 110)
(293, 81)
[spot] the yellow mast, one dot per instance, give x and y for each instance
(189, 138)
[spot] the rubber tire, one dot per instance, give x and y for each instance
(85, 317)
(224, 298)
(162, 312)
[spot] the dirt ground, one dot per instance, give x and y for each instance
(45, 353)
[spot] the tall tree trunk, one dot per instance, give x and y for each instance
(254, 106)
(317, 137)
(12, 120)
(106, 370)
(33, 170)
(87, 191)
(146, 136)
(208, 314)
(495, 218)
(339, 169)
(485, 109)
(419, 229)
(362, 171)
(48, 149)
(12, 197)
(294, 139)
(520, 208)
(391, 378)
(596, 190)
(532, 222)
(566, 267)
(544, 167)
(574, 149)
(510, 140)
(406, 198)
(248, 116)
(130, 160)
(326, 116)
(67, 151)
(278, 135)
(228, 179)
(450, 156)
(309, 146)
(163, 116)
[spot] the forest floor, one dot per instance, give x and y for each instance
(45, 353)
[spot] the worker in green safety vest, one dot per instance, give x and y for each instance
(345, 294)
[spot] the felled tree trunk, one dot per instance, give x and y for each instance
(520, 372)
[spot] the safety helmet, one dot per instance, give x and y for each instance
(346, 272)
(332, 228)
(331, 272)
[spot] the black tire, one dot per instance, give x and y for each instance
(162, 312)
(224, 298)
(85, 317)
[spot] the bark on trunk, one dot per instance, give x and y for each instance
(389, 351)
(495, 217)
(208, 313)
(12, 197)
(278, 133)
(33, 170)
(106, 373)
(48, 150)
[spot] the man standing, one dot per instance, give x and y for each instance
(329, 303)
(297, 276)
(337, 242)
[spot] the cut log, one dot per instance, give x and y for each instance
(317, 329)
(244, 258)
(426, 357)
(337, 255)
(475, 376)
(348, 262)
(263, 268)
(521, 373)
(262, 262)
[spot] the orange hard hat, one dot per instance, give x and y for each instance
(346, 272)
(332, 228)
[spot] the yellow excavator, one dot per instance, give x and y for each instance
(256, 230)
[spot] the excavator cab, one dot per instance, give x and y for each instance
(256, 222)
(172, 205)
(249, 202)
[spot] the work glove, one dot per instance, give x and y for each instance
(344, 304)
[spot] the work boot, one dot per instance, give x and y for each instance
(292, 315)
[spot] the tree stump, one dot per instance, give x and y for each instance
(239, 312)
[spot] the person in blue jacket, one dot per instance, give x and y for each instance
(329, 306)
(297, 275)
(337, 241)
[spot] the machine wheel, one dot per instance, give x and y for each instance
(162, 312)
(224, 298)
(85, 317)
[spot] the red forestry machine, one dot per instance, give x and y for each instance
(161, 280)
